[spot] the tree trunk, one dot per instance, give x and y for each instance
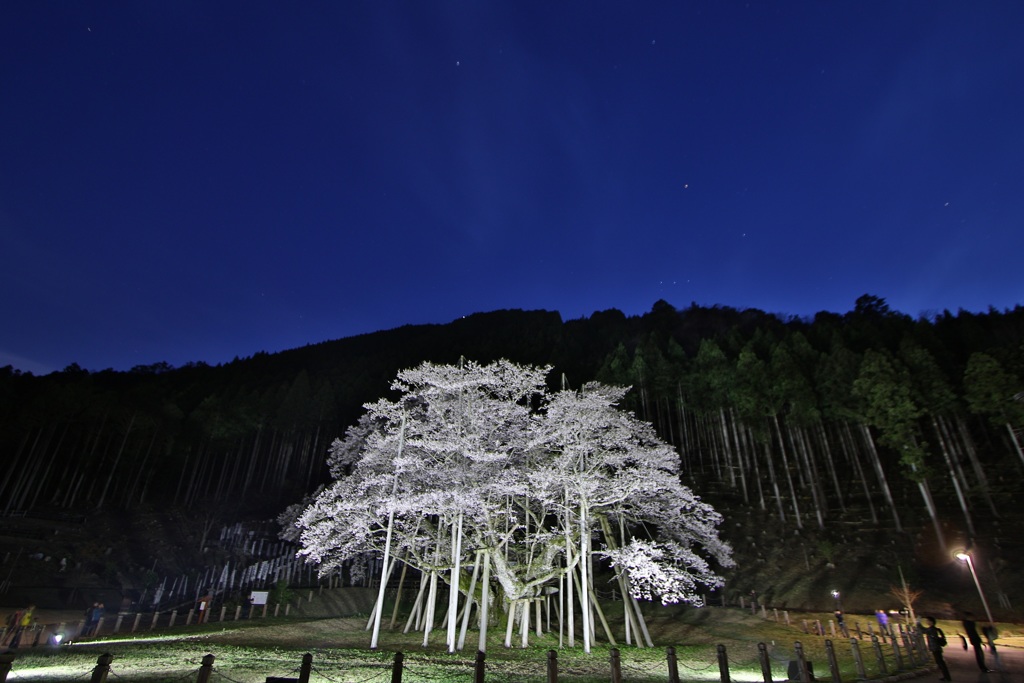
(955, 475)
(117, 459)
(880, 473)
(789, 475)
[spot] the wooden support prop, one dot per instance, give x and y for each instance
(305, 668)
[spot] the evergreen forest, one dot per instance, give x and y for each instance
(847, 450)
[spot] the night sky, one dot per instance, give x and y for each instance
(195, 181)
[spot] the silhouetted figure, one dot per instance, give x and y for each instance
(936, 640)
(971, 631)
(841, 623)
(92, 616)
(990, 633)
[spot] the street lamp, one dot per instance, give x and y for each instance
(965, 556)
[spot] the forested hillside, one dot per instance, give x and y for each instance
(813, 436)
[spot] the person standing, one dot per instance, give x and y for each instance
(23, 624)
(883, 621)
(936, 640)
(974, 638)
(841, 622)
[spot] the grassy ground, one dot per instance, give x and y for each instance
(251, 651)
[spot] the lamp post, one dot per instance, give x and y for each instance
(965, 556)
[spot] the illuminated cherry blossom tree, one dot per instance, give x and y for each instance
(480, 476)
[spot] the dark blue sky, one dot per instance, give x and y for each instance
(194, 181)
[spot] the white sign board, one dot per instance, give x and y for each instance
(260, 597)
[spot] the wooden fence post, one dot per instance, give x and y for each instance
(205, 669)
(307, 666)
(801, 664)
(174, 616)
(138, 618)
(766, 665)
(396, 668)
(616, 664)
(552, 667)
(723, 664)
(478, 667)
(833, 665)
(238, 612)
(99, 672)
(896, 652)
(879, 656)
(223, 611)
(673, 665)
(152, 624)
(857, 659)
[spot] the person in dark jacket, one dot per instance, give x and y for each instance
(936, 640)
(974, 638)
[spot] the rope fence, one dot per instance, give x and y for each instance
(871, 662)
